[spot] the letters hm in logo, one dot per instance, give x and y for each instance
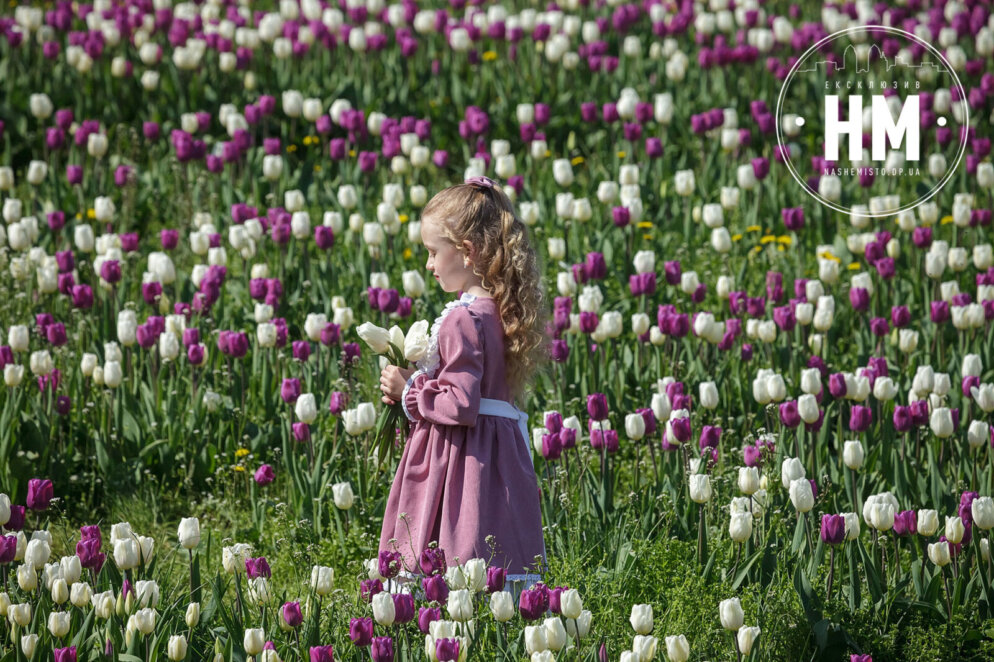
(883, 126)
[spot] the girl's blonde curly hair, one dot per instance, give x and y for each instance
(508, 266)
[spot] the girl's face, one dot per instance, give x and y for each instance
(445, 261)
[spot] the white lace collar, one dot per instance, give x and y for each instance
(431, 359)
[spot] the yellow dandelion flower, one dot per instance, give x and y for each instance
(307, 141)
(548, 153)
(622, 155)
(317, 168)
(403, 218)
(756, 249)
(576, 160)
(853, 266)
(489, 56)
(784, 239)
(241, 452)
(825, 255)
(781, 249)
(91, 214)
(736, 237)
(753, 228)
(647, 237)
(351, 152)
(239, 468)
(291, 148)
(946, 220)
(78, 216)
(767, 239)
(407, 253)
(645, 224)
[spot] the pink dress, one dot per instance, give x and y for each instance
(463, 475)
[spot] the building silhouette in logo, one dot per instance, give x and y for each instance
(852, 62)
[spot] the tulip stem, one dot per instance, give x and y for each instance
(831, 570)
(973, 480)
(945, 583)
(655, 470)
(700, 534)
(191, 575)
(238, 596)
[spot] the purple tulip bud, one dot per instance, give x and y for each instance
(368, 588)
(388, 300)
(390, 563)
(361, 631)
(672, 272)
(859, 298)
(919, 412)
(833, 529)
(195, 354)
(653, 148)
(301, 432)
(906, 523)
(403, 604)
(301, 350)
(40, 493)
(74, 174)
(495, 579)
(110, 271)
(940, 312)
(426, 615)
(597, 406)
(435, 588)
(16, 521)
(324, 237)
(151, 131)
(258, 567)
(322, 653)
(900, 316)
(860, 418)
(381, 649)
(922, 237)
(710, 437)
(290, 390)
(793, 218)
(760, 167)
(351, 352)
(292, 615)
(533, 603)
(837, 385)
(447, 650)
(264, 475)
(169, 239)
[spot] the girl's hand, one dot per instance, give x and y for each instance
(392, 382)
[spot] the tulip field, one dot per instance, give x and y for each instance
(765, 428)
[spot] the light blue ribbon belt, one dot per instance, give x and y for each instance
(504, 409)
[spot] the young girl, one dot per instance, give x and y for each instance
(467, 472)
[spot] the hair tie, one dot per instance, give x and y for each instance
(480, 180)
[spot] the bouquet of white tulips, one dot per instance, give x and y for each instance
(400, 350)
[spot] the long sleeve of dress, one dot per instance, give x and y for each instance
(453, 397)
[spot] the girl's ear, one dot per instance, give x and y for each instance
(469, 248)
